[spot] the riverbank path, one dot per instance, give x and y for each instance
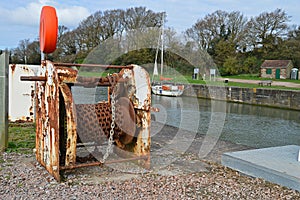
(274, 82)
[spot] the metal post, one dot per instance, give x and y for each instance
(42, 56)
(3, 100)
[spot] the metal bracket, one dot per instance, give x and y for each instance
(50, 70)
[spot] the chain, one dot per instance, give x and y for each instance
(112, 126)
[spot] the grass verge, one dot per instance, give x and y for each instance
(21, 137)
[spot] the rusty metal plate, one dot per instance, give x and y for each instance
(47, 120)
(139, 92)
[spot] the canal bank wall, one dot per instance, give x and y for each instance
(288, 99)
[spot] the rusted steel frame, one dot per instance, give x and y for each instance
(93, 65)
(152, 109)
(140, 95)
(66, 74)
(94, 81)
(47, 122)
(143, 111)
(98, 79)
(33, 78)
(71, 124)
(106, 162)
(143, 139)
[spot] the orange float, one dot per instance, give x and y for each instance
(48, 29)
(165, 87)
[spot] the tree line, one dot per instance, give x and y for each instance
(235, 43)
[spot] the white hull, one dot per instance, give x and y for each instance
(168, 90)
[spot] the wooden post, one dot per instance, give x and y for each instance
(3, 100)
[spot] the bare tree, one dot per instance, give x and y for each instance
(19, 54)
(220, 34)
(140, 17)
(217, 26)
(33, 53)
(89, 31)
(236, 24)
(266, 28)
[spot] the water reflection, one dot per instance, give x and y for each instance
(249, 125)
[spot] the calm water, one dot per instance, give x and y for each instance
(254, 126)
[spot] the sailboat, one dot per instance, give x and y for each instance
(163, 87)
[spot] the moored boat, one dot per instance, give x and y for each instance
(164, 88)
(167, 89)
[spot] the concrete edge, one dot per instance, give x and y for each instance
(258, 171)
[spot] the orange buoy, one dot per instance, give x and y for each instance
(165, 87)
(48, 29)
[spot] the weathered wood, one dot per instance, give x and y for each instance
(266, 83)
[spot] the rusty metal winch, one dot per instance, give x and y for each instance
(123, 120)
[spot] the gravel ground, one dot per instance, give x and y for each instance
(21, 177)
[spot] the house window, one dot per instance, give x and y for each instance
(269, 71)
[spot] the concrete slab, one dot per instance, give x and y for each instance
(276, 164)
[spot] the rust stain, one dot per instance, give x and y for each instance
(47, 125)
(26, 69)
(70, 158)
(66, 74)
(13, 67)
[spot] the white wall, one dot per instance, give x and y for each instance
(21, 99)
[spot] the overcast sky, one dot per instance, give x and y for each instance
(19, 19)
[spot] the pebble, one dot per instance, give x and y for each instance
(19, 181)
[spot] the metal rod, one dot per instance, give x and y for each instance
(92, 65)
(33, 78)
(106, 162)
(95, 81)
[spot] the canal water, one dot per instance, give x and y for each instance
(253, 126)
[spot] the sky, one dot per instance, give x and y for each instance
(19, 19)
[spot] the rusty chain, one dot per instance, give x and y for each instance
(113, 80)
(112, 126)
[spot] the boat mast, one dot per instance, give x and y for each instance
(162, 45)
(155, 71)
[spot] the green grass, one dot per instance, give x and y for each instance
(188, 79)
(249, 85)
(91, 74)
(99, 73)
(21, 137)
(246, 77)
(256, 77)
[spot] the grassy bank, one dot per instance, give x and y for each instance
(21, 137)
(249, 85)
(189, 80)
(256, 77)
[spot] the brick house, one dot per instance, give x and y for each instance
(277, 69)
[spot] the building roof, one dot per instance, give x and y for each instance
(275, 63)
